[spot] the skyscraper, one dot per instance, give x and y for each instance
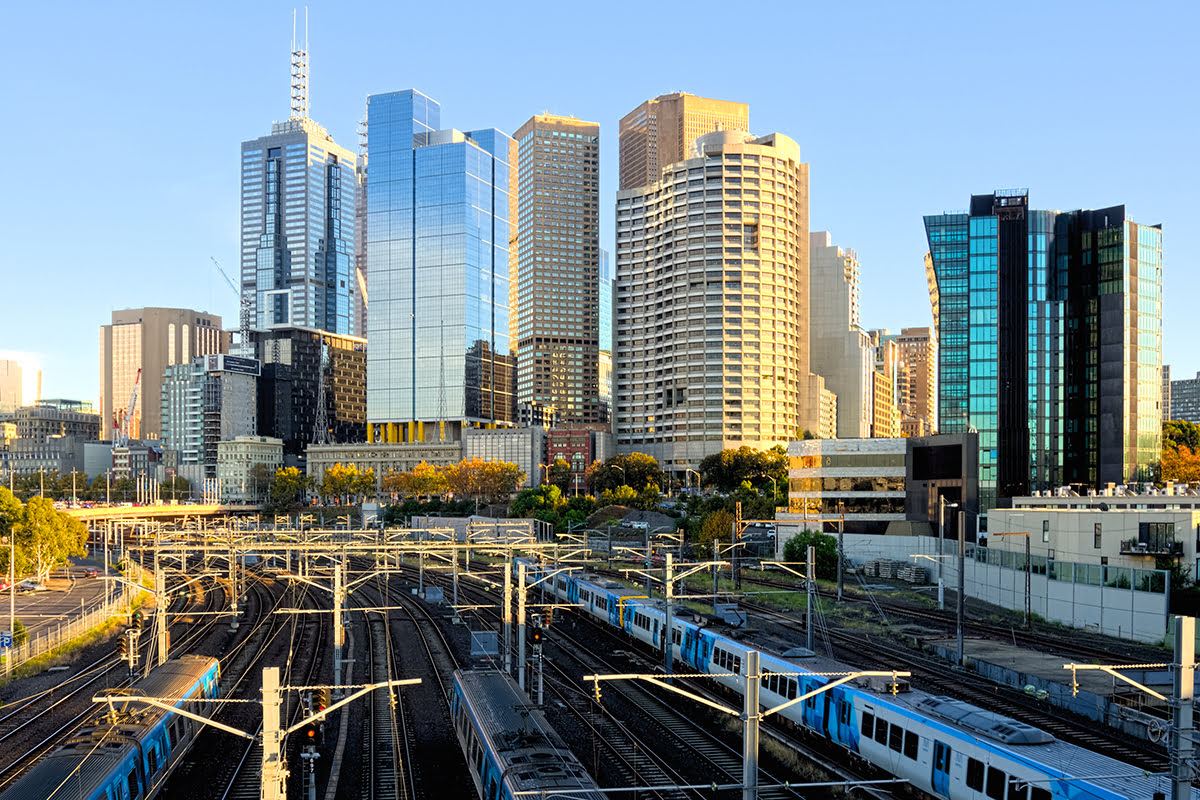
(1184, 398)
(918, 356)
(10, 386)
(887, 387)
(662, 131)
(1050, 342)
(149, 340)
(440, 205)
(299, 195)
(711, 322)
(556, 313)
(840, 350)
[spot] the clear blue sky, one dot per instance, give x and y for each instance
(122, 125)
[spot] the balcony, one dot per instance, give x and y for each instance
(1134, 547)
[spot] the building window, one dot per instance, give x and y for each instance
(1096, 537)
(1045, 530)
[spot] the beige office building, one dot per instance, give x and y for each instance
(149, 339)
(555, 316)
(888, 387)
(662, 131)
(840, 350)
(711, 308)
(10, 386)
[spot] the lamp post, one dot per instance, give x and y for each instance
(962, 557)
(623, 478)
(687, 473)
(942, 506)
(546, 473)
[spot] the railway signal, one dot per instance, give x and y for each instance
(321, 699)
(123, 647)
(136, 620)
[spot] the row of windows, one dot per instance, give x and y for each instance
(992, 782)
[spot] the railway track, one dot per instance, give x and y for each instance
(35, 715)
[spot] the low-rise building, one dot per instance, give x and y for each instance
(1142, 527)
(579, 447)
(525, 447)
(882, 485)
(380, 457)
(237, 478)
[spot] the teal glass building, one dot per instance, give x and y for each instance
(1050, 342)
(439, 227)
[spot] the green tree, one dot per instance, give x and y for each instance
(289, 488)
(1180, 432)
(649, 498)
(795, 550)
(11, 513)
(718, 526)
(124, 490)
(636, 470)
(728, 469)
(538, 499)
(260, 480)
(176, 488)
(559, 474)
(49, 536)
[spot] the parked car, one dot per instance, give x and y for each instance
(31, 586)
(4, 586)
(90, 572)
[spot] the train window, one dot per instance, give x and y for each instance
(1017, 790)
(975, 774)
(737, 665)
(132, 780)
(676, 637)
(791, 689)
(765, 679)
(868, 724)
(995, 783)
(881, 731)
(493, 790)
(896, 738)
(912, 745)
(152, 761)
(1039, 793)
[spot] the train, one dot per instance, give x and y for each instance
(127, 754)
(943, 747)
(508, 744)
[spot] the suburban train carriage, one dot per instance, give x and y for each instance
(131, 758)
(509, 745)
(946, 748)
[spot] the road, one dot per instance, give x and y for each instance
(66, 590)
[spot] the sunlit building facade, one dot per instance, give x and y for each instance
(440, 212)
(661, 131)
(711, 325)
(557, 306)
(1049, 342)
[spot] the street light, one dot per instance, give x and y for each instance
(623, 478)
(687, 473)
(546, 467)
(942, 506)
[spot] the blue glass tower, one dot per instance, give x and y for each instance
(439, 226)
(1022, 314)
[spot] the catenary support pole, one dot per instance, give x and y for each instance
(521, 625)
(233, 592)
(668, 593)
(1183, 732)
(750, 716)
(506, 615)
(810, 585)
(841, 553)
(339, 630)
(962, 601)
(160, 611)
(941, 538)
(274, 773)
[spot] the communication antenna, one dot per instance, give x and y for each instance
(300, 71)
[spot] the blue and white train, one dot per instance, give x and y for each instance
(509, 745)
(946, 748)
(129, 757)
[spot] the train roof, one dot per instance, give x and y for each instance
(170, 680)
(534, 755)
(76, 774)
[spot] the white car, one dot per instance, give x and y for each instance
(31, 586)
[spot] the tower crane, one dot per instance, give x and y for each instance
(121, 421)
(246, 312)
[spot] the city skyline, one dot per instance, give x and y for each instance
(866, 127)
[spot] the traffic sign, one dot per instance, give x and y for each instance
(5, 638)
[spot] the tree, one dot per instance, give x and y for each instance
(1180, 432)
(10, 518)
(716, 526)
(289, 487)
(124, 490)
(529, 502)
(636, 470)
(796, 550)
(559, 474)
(499, 480)
(260, 480)
(649, 498)
(49, 536)
(1180, 464)
(728, 469)
(176, 488)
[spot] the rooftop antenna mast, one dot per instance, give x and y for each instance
(300, 71)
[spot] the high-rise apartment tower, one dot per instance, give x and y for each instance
(556, 308)
(711, 322)
(1050, 342)
(840, 350)
(440, 211)
(664, 130)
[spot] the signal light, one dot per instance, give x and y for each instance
(309, 733)
(321, 699)
(537, 635)
(137, 620)
(123, 647)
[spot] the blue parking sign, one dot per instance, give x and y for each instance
(5, 638)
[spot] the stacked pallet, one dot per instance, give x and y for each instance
(901, 570)
(911, 573)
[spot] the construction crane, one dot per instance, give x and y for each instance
(247, 311)
(121, 421)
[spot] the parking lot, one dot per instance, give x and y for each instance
(67, 591)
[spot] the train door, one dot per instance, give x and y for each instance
(941, 768)
(613, 620)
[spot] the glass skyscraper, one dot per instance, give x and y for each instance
(1049, 342)
(299, 191)
(440, 210)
